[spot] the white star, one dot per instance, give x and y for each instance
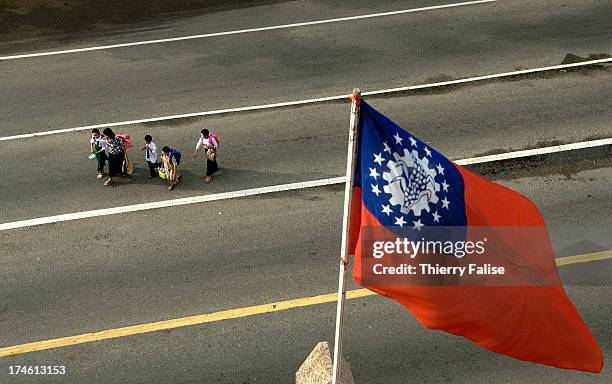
(445, 186)
(386, 209)
(436, 217)
(427, 151)
(376, 190)
(398, 139)
(400, 221)
(413, 141)
(387, 147)
(418, 225)
(445, 203)
(373, 173)
(440, 169)
(378, 158)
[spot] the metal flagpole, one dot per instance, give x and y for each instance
(346, 220)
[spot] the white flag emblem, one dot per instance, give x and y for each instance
(411, 183)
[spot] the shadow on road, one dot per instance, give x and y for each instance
(28, 19)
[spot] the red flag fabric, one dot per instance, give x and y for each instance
(403, 188)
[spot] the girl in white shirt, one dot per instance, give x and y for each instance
(210, 142)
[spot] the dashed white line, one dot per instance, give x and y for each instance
(242, 31)
(277, 188)
(308, 101)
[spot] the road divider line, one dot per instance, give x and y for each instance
(170, 203)
(277, 188)
(596, 256)
(536, 151)
(243, 31)
(180, 322)
(307, 101)
(224, 315)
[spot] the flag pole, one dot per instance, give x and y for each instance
(346, 220)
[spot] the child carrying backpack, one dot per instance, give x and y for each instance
(171, 159)
(210, 142)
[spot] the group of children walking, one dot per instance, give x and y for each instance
(112, 148)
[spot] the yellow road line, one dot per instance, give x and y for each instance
(584, 258)
(225, 315)
(180, 322)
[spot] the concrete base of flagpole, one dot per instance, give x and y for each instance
(317, 368)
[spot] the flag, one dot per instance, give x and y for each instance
(405, 189)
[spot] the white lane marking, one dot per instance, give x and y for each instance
(278, 188)
(241, 31)
(169, 203)
(536, 151)
(307, 101)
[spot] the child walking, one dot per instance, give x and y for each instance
(210, 142)
(97, 146)
(171, 158)
(150, 149)
(116, 155)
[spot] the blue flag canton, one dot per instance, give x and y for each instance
(405, 183)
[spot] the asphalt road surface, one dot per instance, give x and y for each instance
(292, 64)
(81, 276)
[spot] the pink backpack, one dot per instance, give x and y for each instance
(214, 136)
(127, 140)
